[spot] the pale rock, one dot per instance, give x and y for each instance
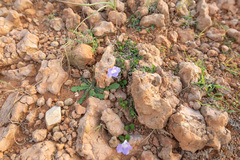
(151, 55)
(103, 28)
(216, 121)
(51, 77)
(234, 34)
(189, 128)
(163, 8)
(40, 151)
(162, 40)
(147, 155)
(186, 35)
(98, 5)
(60, 103)
(53, 117)
(226, 4)
(92, 144)
(173, 36)
(41, 101)
(166, 154)
(120, 94)
(120, 6)
(7, 136)
(21, 5)
(81, 56)
(21, 73)
(117, 18)
(113, 122)
(31, 117)
(226, 90)
(71, 19)
(68, 82)
(37, 56)
(114, 142)
(212, 53)
(213, 9)
(28, 43)
(189, 73)
(203, 20)
(57, 24)
(153, 110)
(195, 93)
(153, 19)
(49, 102)
(57, 136)
(94, 19)
(3, 12)
(107, 61)
(86, 74)
(182, 8)
(79, 109)
(216, 34)
(39, 135)
(132, 5)
(68, 102)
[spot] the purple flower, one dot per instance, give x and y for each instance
(124, 148)
(113, 72)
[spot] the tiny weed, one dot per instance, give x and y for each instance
(129, 127)
(123, 104)
(232, 68)
(90, 88)
(123, 83)
(149, 70)
(51, 16)
(188, 20)
(152, 8)
(123, 138)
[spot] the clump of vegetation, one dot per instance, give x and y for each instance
(127, 136)
(152, 7)
(89, 87)
(188, 20)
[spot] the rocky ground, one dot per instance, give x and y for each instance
(176, 97)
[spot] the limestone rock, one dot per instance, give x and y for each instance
(162, 40)
(11, 21)
(215, 34)
(71, 19)
(21, 5)
(101, 69)
(21, 73)
(7, 135)
(52, 77)
(57, 24)
(117, 18)
(226, 5)
(189, 73)
(151, 55)
(216, 122)
(93, 20)
(3, 12)
(186, 35)
(189, 128)
(53, 117)
(40, 151)
(166, 154)
(147, 155)
(81, 56)
(39, 135)
(234, 34)
(104, 27)
(182, 8)
(213, 8)
(92, 144)
(152, 109)
(163, 8)
(153, 19)
(203, 20)
(28, 43)
(113, 122)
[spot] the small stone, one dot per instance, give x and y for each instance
(112, 97)
(60, 103)
(222, 57)
(41, 101)
(225, 48)
(113, 142)
(86, 74)
(64, 140)
(57, 24)
(68, 82)
(54, 44)
(53, 116)
(147, 155)
(79, 109)
(49, 102)
(57, 136)
(41, 115)
(39, 135)
(68, 102)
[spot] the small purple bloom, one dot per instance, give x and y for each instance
(113, 72)
(124, 148)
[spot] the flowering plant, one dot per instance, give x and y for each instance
(113, 72)
(124, 148)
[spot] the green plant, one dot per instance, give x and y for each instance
(129, 127)
(123, 138)
(123, 83)
(90, 88)
(232, 68)
(127, 51)
(134, 21)
(123, 104)
(152, 7)
(148, 69)
(51, 16)
(188, 20)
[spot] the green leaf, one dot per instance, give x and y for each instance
(121, 138)
(79, 88)
(99, 95)
(113, 86)
(91, 93)
(231, 111)
(126, 128)
(127, 137)
(131, 126)
(81, 100)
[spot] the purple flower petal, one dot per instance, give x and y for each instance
(124, 148)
